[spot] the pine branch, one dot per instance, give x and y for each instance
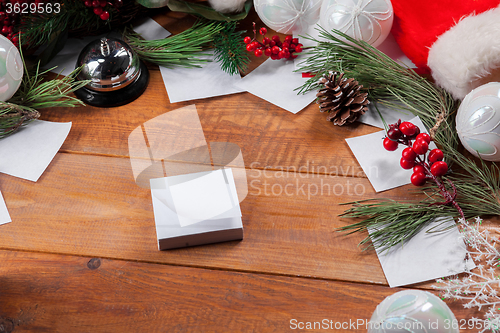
(36, 93)
(184, 49)
(394, 85)
(230, 49)
(39, 29)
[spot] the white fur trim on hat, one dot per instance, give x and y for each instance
(467, 55)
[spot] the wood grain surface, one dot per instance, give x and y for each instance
(60, 293)
(81, 253)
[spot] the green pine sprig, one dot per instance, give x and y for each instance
(34, 93)
(395, 85)
(41, 28)
(184, 49)
(230, 50)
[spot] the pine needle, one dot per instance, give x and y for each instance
(230, 50)
(184, 49)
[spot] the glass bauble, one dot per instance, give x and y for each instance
(288, 16)
(414, 311)
(478, 121)
(368, 20)
(11, 69)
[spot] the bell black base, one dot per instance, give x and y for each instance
(116, 97)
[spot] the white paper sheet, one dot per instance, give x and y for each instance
(426, 256)
(149, 29)
(372, 116)
(185, 84)
(29, 151)
(203, 198)
(381, 166)
(4, 213)
(219, 185)
(275, 81)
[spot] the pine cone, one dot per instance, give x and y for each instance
(341, 98)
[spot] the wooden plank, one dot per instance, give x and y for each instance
(90, 205)
(267, 134)
(55, 293)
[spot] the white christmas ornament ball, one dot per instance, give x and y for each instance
(368, 20)
(288, 16)
(414, 311)
(478, 122)
(11, 69)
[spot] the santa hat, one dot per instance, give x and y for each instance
(458, 42)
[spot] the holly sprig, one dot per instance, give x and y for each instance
(425, 166)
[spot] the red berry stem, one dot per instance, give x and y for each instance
(416, 155)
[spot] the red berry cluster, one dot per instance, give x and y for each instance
(99, 7)
(414, 156)
(273, 47)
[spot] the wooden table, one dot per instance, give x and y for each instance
(81, 253)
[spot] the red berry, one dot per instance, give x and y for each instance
(275, 50)
(263, 31)
(104, 16)
(288, 39)
(247, 40)
(394, 133)
(250, 47)
(88, 3)
(258, 52)
(292, 47)
(266, 41)
(103, 3)
(274, 56)
(435, 155)
(439, 168)
(295, 41)
(405, 164)
(407, 128)
(419, 168)
(96, 3)
(298, 49)
(390, 145)
(287, 45)
(418, 178)
(281, 54)
(255, 44)
(285, 49)
(276, 38)
(97, 10)
(287, 55)
(5, 29)
(424, 136)
(268, 52)
(409, 154)
(272, 43)
(420, 147)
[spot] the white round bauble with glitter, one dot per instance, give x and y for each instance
(368, 20)
(478, 121)
(11, 69)
(288, 16)
(414, 311)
